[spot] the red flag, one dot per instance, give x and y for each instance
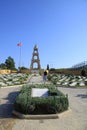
(19, 44)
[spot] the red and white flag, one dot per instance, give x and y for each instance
(19, 44)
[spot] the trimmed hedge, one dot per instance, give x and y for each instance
(56, 101)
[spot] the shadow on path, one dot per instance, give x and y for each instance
(82, 95)
(6, 105)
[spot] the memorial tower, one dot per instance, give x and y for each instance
(35, 61)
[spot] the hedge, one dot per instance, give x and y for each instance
(55, 102)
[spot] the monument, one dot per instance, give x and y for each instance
(35, 61)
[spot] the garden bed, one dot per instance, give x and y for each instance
(55, 102)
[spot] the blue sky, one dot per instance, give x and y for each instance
(58, 27)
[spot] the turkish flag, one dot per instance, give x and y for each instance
(19, 44)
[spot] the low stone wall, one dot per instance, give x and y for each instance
(6, 71)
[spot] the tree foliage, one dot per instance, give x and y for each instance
(10, 64)
(47, 66)
(23, 68)
(83, 73)
(3, 66)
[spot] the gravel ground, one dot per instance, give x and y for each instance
(76, 119)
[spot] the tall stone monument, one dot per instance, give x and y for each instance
(35, 61)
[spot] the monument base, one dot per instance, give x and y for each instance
(35, 71)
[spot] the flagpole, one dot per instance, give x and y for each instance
(19, 45)
(20, 60)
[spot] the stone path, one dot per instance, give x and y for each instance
(35, 80)
(74, 120)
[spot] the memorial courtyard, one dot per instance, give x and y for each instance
(43, 65)
(74, 119)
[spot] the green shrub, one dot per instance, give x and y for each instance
(55, 92)
(85, 82)
(49, 76)
(9, 79)
(54, 103)
(54, 80)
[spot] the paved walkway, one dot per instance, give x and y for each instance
(35, 80)
(74, 120)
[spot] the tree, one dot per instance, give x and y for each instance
(47, 67)
(10, 64)
(23, 68)
(83, 73)
(3, 66)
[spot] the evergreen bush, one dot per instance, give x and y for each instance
(49, 76)
(55, 102)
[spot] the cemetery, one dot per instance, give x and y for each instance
(68, 80)
(41, 95)
(58, 79)
(13, 79)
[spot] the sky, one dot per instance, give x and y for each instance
(58, 27)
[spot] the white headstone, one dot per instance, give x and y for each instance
(39, 92)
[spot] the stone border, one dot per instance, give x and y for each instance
(64, 113)
(14, 86)
(36, 117)
(22, 116)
